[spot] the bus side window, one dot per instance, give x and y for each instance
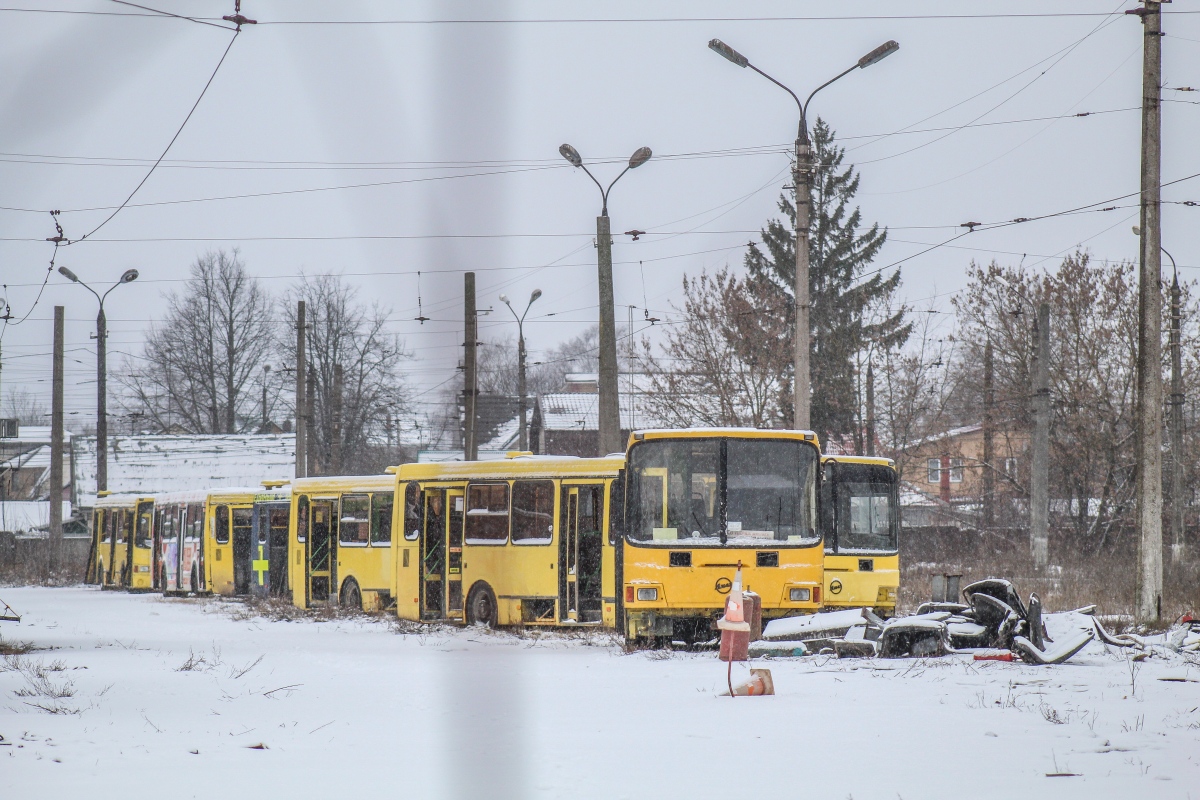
(302, 518)
(102, 525)
(412, 512)
(487, 513)
(381, 518)
(144, 520)
(533, 512)
(222, 531)
(355, 522)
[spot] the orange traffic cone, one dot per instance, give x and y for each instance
(759, 683)
(735, 631)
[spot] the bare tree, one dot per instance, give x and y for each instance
(345, 333)
(723, 363)
(202, 362)
(25, 407)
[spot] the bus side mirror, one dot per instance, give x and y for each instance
(616, 509)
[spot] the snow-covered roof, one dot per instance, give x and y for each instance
(22, 516)
(580, 411)
(948, 434)
(440, 456)
(157, 464)
(37, 458)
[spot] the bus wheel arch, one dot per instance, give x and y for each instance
(482, 608)
(351, 595)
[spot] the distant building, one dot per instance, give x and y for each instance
(155, 463)
(945, 473)
(25, 480)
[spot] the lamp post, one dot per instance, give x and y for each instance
(610, 411)
(523, 440)
(129, 276)
(801, 182)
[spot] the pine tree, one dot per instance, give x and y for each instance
(839, 256)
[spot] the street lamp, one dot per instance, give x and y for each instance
(610, 412)
(802, 184)
(523, 441)
(129, 276)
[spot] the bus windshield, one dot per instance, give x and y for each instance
(714, 492)
(867, 517)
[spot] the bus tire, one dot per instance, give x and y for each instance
(351, 596)
(481, 606)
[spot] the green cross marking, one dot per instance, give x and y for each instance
(260, 565)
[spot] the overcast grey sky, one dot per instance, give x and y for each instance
(456, 127)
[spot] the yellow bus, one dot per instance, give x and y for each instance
(341, 541)
(860, 517)
(516, 541)
(122, 542)
(699, 504)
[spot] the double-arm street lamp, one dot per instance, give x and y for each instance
(129, 276)
(610, 412)
(802, 177)
(524, 433)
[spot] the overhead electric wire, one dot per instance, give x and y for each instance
(167, 149)
(598, 20)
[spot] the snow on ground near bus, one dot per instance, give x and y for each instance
(355, 708)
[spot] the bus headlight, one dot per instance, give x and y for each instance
(647, 594)
(800, 595)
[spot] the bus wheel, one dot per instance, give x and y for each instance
(481, 606)
(351, 595)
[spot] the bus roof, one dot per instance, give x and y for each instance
(517, 467)
(343, 483)
(867, 460)
(121, 500)
(708, 433)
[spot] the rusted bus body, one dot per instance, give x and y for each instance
(122, 542)
(702, 503)
(340, 541)
(523, 540)
(179, 542)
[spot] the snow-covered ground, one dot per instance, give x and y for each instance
(356, 708)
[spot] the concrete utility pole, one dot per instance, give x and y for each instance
(1147, 606)
(1178, 500)
(311, 467)
(54, 553)
(801, 181)
(301, 392)
(989, 436)
(610, 440)
(1039, 476)
(470, 383)
(265, 377)
(335, 435)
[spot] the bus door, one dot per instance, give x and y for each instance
(243, 535)
(279, 517)
(260, 551)
(321, 556)
(580, 551)
(433, 555)
(456, 502)
(156, 550)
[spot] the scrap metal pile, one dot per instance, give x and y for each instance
(993, 623)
